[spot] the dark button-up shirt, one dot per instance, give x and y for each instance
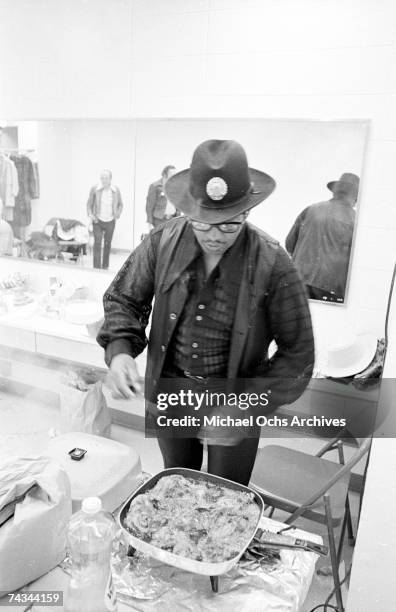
(201, 341)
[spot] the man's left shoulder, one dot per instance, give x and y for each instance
(262, 238)
(270, 253)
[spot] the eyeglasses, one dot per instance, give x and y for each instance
(226, 228)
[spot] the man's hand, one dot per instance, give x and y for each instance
(123, 377)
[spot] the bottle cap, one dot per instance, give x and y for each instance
(91, 505)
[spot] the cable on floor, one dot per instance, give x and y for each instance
(326, 605)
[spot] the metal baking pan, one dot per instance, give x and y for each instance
(190, 565)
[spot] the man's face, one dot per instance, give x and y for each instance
(105, 179)
(216, 242)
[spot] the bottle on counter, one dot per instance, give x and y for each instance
(53, 299)
(90, 537)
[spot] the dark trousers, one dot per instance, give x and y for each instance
(232, 462)
(103, 232)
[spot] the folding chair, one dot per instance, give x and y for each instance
(312, 487)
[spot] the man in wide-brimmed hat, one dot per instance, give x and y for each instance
(224, 290)
(320, 241)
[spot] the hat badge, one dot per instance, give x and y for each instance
(216, 188)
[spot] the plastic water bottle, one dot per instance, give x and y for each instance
(90, 536)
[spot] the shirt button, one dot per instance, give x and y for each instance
(198, 318)
(195, 345)
(201, 306)
(172, 316)
(194, 356)
(163, 348)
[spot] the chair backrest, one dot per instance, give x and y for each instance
(362, 450)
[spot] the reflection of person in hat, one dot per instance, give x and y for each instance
(223, 291)
(321, 238)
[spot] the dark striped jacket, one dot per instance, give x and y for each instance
(271, 305)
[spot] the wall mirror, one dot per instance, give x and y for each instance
(120, 166)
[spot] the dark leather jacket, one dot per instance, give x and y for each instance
(156, 203)
(320, 244)
(272, 305)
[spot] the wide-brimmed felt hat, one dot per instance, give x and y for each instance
(348, 179)
(219, 184)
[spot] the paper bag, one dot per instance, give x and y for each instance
(83, 405)
(35, 505)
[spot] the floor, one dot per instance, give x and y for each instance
(26, 426)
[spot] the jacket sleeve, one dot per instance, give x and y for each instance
(120, 204)
(90, 203)
(288, 317)
(150, 202)
(292, 236)
(127, 303)
(31, 178)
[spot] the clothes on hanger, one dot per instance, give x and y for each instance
(9, 187)
(32, 154)
(27, 191)
(36, 179)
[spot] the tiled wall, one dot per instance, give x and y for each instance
(190, 58)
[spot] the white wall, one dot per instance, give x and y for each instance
(54, 158)
(375, 553)
(228, 58)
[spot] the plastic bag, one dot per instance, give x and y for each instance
(83, 404)
(35, 505)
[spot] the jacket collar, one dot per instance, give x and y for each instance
(99, 187)
(187, 249)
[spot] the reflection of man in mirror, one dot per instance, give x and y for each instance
(104, 207)
(223, 291)
(158, 207)
(321, 238)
